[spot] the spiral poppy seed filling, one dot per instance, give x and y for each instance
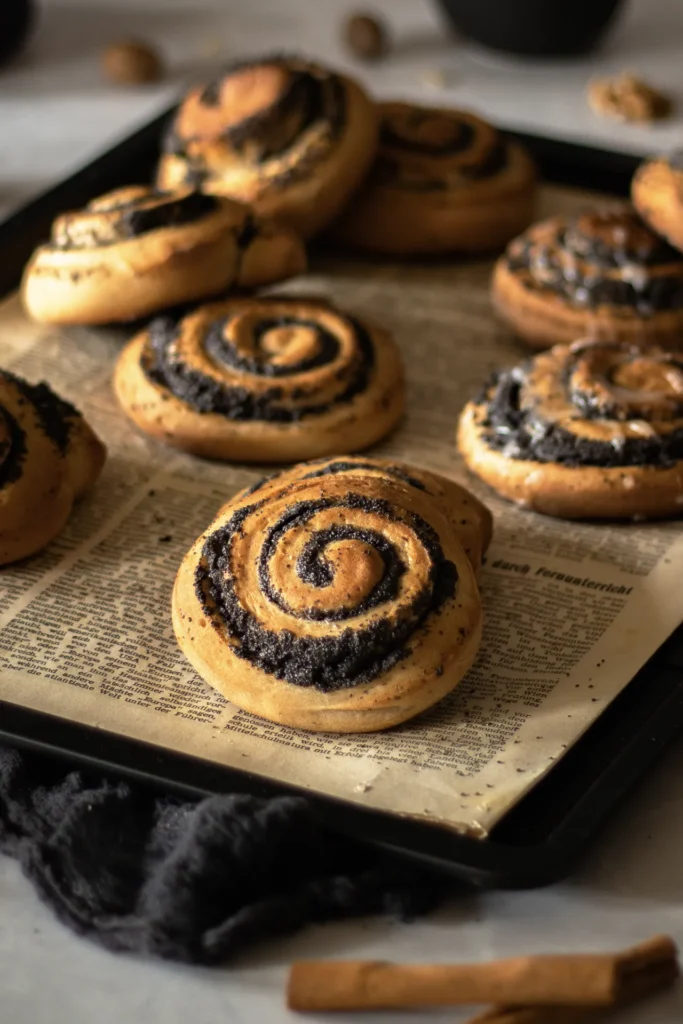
(307, 102)
(413, 132)
(356, 654)
(312, 567)
(104, 223)
(279, 404)
(171, 213)
(13, 449)
(515, 422)
(55, 415)
(603, 258)
(327, 348)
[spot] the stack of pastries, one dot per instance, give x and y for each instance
(341, 594)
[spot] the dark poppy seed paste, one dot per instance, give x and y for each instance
(436, 135)
(113, 219)
(243, 352)
(310, 101)
(607, 257)
(518, 421)
(358, 653)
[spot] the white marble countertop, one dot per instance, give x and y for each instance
(56, 113)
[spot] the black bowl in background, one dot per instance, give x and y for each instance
(540, 28)
(16, 22)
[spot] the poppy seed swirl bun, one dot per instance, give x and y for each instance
(290, 137)
(657, 194)
(136, 251)
(443, 181)
(328, 599)
(601, 274)
(588, 431)
(49, 458)
(263, 380)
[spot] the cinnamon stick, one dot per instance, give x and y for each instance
(642, 975)
(538, 1015)
(588, 980)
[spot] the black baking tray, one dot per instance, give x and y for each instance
(543, 837)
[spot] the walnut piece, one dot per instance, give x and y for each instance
(366, 37)
(129, 62)
(627, 98)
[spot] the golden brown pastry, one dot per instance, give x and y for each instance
(290, 137)
(588, 431)
(469, 517)
(136, 251)
(333, 598)
(49, 457)
(600, 274)
(657, 194)
(443, 181)
(262, 380)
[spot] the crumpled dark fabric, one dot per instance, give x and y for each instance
(193, 881)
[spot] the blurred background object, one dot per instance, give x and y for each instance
(16, 21)
(366, 36)
(541, 28)
(60, 109)
(131, 62)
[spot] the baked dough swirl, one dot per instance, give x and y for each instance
(263, 380)
(290, 137)
(137, 251)
(603, 274)
(333, 597)
(443, 181)
(591, 430)
(657, 194)
(49, 457)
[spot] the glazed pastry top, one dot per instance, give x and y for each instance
(590, 404)
(606, 256)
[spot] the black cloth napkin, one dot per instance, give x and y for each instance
(193, 881)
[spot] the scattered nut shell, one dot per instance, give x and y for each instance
(131, 63)
(366, 37)
(627, 98)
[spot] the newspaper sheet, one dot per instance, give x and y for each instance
(572, 610)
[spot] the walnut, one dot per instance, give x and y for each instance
(129, 62)
(366, 37)
(627, 98)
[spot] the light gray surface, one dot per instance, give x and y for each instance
(630, 887)
(55, 112)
